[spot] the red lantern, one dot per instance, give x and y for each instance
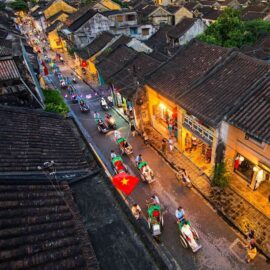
(84, 64)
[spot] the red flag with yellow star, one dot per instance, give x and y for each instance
(125, 182)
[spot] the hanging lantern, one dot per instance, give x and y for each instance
(84, 64)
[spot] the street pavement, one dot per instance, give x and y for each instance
(222, 247)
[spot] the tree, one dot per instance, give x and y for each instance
(221, 175)
(19, 5)
(230, 31)
(2, 6)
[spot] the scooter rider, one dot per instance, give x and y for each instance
(180, 213)
(136, 210)
(103, 102)
(138, 159)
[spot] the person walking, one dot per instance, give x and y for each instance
(136, 210)
(132, 128)
(171, 143)
(164, 146)
(251, 251)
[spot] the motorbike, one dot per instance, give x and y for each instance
(155, 218)
(125, 147)
(74, 80)
(84, 108)
(104, 104)
(188, 235)
(146, 173)
(74, 98)
(102, 127)
(110, 121)
(118, 165)
(184, 178)
(63, 84)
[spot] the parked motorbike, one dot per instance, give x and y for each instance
(188, 235)
(104, 104)
(110, 121)
(74, 80)
(83, 71)
(74, 98)
(102, 127)
(84, 107)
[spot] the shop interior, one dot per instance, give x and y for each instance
(198, 151)
(257, 177)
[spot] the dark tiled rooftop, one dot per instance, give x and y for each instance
(40, 228)
(181, 28)
(188, 65)
(83, 17)
(115, 61)
(53, 26)
(30, 138)
(95, 46)
(224, 87)
(142, 65)
(253, 116)
(122, 40)
(8, 69)
(253, 15)
(5, 47)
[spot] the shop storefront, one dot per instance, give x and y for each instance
(197, 142)
(254, 174)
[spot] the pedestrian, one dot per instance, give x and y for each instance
(132, 128)
(136, 210)
(145, 137)
(96, 116)
(251, 251)
(164, 146)
(250, 236)
(170, 126)
(171, 144)
(175, 131)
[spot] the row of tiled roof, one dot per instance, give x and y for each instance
(213, 83)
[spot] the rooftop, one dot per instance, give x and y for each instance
(158, 41)
(8, 69)
(209, 13)
(253, 116)
(224, 87)
(54, 26)
(40, 228)
(95, 46)
(140, 66)
(122, 40)
(253, 15)
(80, 18)
(25, 146)
(181, 28)
(188, 65)
(56, 16)
(115, 61)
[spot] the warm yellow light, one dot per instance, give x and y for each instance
(162, 106)
(241, 158)
(255, 169)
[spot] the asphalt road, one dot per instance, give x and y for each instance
(219, 241)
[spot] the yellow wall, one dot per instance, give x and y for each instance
(250, 149)
(110, 5)
(57, 6)
(182, 12)
(156, 99)
(53, 37)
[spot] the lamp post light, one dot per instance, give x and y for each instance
(48, 168)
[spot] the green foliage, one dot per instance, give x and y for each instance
(230, 31)
(220, 175)
(54, 102)
(19, 5)
(70, 51)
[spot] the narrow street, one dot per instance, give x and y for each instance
(220, 249)
(219, 241)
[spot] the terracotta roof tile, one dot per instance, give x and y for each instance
(8, 69)
(181, 28)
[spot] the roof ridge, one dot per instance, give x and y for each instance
(29, 110)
